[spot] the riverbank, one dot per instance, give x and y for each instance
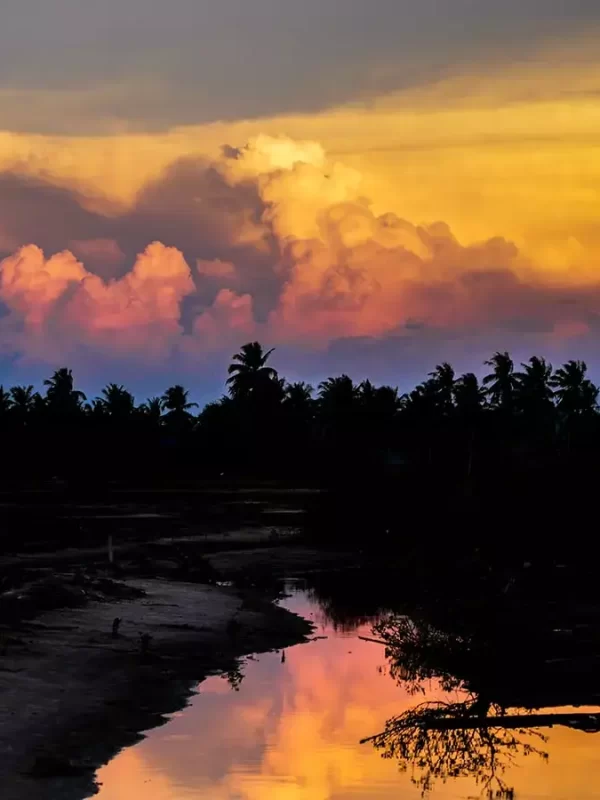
(72, 694)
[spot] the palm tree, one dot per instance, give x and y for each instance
(502, 381)
(24, 402)
(338, 395)
(5, 402)
(249, 373)
(469, 397)
(175, 401)
(379, 401)
(117, 401)
(534, 392)
(422, 402)
(61, 396)
(575, 394)
(96, 410)
(469, 403)
(298, 398)
(152, 410)
(442, 382)
(297, 419)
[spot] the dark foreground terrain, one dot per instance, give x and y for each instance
(75, 685)
(511, 620)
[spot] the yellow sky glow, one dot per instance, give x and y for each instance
(514, 152)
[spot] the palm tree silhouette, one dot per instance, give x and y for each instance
(5, 402)
(175, 402)
(298, 398)
(61, 396)
(534, 391)
(442, 383)
(249, 372)
(117, 402)
(152, 410)
(469, 397)
(24, 401)
(381, 401)
(501, 382)
(469, 403)
(575, 394)
(338, 394)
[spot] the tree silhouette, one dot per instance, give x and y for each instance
(298, 398)
(575, 393)
(502, 382)
(338, 395)
(442, 385)
(5, 402)
(176, 401)
(249, 373)
(24, 402)
(469, 397)
(376, 414)
(380, 401)
(511, 423)
(534, 389)
(469, 736)
(152, 410)
(117, 402)
(61, 397)
(436, 741)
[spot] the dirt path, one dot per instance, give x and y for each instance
(71, 695)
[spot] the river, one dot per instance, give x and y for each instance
(291, 730)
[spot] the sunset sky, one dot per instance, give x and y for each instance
(369, 187)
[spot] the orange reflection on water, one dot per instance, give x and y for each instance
(292, 733)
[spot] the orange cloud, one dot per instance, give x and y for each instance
(31, 285)
(228, 321)
(140, 312)
(317, 262)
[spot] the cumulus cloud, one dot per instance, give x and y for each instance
(56, 300)
(287, 249)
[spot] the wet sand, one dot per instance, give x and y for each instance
(72, 695)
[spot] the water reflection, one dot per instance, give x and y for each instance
(440, 740)
(492, 726)
(292, 732)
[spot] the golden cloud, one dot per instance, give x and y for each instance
(327, 223)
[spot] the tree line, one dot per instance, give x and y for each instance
(267, 426)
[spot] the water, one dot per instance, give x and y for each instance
(292, 732)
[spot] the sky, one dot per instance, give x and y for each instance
(369, 187)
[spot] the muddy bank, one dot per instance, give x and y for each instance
(281, 561)
(72, 694)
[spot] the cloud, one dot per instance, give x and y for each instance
(286, 248)
(103, 255)
(60, 306)
(227, 322)
(129, 65)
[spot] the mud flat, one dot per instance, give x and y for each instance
(72, 694)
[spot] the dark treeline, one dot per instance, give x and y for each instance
(264, 427)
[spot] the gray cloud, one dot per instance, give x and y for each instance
(69, 66)
(190, 207)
